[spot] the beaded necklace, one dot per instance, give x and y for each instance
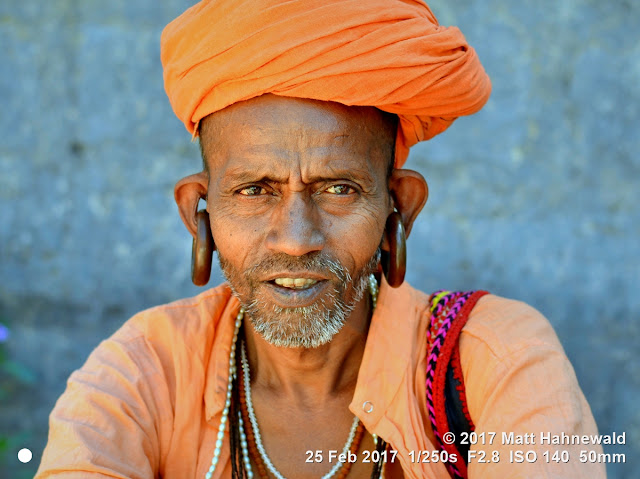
(373, 288)
(348, 447)
(227, 404)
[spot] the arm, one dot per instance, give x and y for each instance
(519, 380)
(113, 416)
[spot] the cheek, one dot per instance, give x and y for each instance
(235, 237)
(357, 237)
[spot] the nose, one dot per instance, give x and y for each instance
(295, 227)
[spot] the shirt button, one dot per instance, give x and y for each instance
(367, 406)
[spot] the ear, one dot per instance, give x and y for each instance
(410, 191)
(187, 193)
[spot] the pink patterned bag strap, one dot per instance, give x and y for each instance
(446, 399)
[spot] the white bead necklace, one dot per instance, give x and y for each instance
(373, 288)
(245, 448)
(227, 404)
(256, 430)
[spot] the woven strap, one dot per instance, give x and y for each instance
(446, 399)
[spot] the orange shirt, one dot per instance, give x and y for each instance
(148, 401)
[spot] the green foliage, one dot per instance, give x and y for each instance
(16, 377)
(19, 372)
(9, 447)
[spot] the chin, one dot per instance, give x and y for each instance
(304, 327)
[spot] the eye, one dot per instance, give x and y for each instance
(340, 189)
(253, 190)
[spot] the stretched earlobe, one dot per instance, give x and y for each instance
(202, 250)
(394, 262)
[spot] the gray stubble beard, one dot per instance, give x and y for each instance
(309, 326)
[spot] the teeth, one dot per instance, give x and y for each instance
(295, 283)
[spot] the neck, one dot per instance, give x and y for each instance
(311, 376)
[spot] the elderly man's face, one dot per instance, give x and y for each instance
(298, 197)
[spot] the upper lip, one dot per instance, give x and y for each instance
(293, 275)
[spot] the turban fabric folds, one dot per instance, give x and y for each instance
(390, 54)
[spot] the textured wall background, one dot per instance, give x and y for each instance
(534, 198)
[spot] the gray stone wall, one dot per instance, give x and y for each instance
(534, 198)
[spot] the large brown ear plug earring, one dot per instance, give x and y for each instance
(202, 250)
(394, 262)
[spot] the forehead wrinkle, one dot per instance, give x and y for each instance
(297, 138)
(288, 145)
(296, 162)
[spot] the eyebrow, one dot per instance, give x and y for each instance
(257, 176)
(238, 175)
(353, 175)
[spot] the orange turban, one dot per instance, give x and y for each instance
(390, 54)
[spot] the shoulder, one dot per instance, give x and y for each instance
(197, 316)
(512, 360)
(501, 333)
(506, 326)
(498, 326)
(504, 334)
(162, 341)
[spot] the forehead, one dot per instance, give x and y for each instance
(278, 132)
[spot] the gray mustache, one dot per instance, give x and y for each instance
(318, 262)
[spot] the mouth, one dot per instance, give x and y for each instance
(295, 291)
(294, 283)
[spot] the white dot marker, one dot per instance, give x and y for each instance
(24, 455)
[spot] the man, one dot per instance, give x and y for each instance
(305, 112)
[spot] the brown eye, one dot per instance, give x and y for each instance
(340, 190)
(252, 191)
